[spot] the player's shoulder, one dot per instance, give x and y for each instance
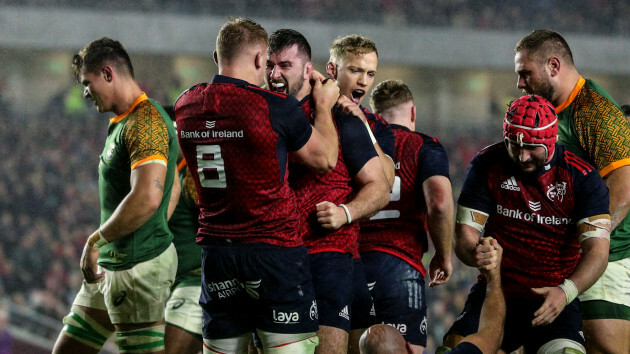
(373, 116)
(573, 162)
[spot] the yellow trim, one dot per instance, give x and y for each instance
(574, 93)
(162, 160)
(613, 166)
(117, 119)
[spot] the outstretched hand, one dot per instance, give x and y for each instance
(555, 301)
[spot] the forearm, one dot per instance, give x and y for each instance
(466, 238)
(618, 183)
(133, 212)
(371, 198)
(592, 264)
(492, 317)
(323, 125)
(440, 226)
(440, 220)
(388, 166)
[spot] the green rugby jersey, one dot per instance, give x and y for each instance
(592, 126)
(184, 224)
(142, 134)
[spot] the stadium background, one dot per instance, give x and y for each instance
(456, 56)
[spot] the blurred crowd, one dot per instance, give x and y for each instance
(49, 205)
(579, 16)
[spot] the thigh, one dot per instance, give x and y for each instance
(332, 281)
(183, 310)
(609, 297)
(398, 293)
(139, 294)
(362, 309)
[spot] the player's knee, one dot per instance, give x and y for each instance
(227, 345)
(280, 343)
(141, 340)
(81, 327)
(562, 346)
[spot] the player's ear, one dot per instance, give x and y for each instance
(215, 56)
(260, 60)
(413, 114)
(553, 64)
(331, 70)
(108, 73)
(308, 69)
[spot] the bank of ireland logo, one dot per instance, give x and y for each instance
(557, 192)
(423, 325)
(313, 311)
(250, 288)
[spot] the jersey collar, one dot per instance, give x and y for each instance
(576, 89)
(117, 119)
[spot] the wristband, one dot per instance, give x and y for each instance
(367, 125)
(345, 208)
(570, 290)
(97, 240)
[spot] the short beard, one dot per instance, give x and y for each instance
(295, 89)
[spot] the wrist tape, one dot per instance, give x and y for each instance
(97, 240)
(570, 290)
(345, 208)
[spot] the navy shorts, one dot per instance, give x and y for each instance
(362, 310)
(398, 292)
(249, 286)
(332, 280)
(519, 316)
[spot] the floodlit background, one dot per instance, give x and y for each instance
(456, 56)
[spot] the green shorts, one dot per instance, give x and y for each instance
(135, 295)
(183, 309)
(609, 297)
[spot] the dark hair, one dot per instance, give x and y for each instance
(99, 53)
(285, 38)
(237, 34)
(388, 94)
(626, 109)
(543, 44)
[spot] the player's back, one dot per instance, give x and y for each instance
(235, 141)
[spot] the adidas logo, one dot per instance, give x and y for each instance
(344, 313)
(510, 184)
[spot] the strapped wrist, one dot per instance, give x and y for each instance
(570, 290)
(96, 240)
(345, 208)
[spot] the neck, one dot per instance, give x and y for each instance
(127, 93)
(565, 87)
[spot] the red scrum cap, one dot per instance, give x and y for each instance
(531, 120)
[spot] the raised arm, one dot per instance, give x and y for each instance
(320, 151)
(490, 334)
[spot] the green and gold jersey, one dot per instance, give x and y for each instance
(143, 134)
(184, 224)
(592, 126)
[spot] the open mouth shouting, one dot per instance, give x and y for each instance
(357, 95)
(279, 86)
